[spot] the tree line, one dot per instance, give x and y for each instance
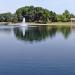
(35, 14)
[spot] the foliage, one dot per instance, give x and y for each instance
(8, 17)
(65, 17)
(35, 14)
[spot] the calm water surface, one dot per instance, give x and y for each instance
(40, 50)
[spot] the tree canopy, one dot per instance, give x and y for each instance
(36, 14)
(8, 17)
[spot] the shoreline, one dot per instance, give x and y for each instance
(37, 24)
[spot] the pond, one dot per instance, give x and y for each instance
(37, 50)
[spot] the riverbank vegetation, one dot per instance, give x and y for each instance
(36, 15)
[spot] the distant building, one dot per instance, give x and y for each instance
(72, 19)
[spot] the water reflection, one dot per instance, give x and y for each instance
(39, 33)
(51, 57)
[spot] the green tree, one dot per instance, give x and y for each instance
(36, 14)
(53, 17)
(66, 16)
(6, 17)
(14, 18)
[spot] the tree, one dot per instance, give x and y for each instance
(66, 16)
(53, 17)
(36, 14)
(14, 18)
(6, 17)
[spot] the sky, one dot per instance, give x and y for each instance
(57, 6)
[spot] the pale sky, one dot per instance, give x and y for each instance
(57, 6)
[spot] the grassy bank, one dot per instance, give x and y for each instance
(55, 23)
(51, 24)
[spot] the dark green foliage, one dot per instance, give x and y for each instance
(53, 17)
(14, 18)
(8, 17)
(35, 14)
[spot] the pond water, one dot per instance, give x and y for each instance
(37, 50)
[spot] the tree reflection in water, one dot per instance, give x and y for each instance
(39, 33)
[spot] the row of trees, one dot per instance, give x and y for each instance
(8, 17)
(65, 17)
(35, 14)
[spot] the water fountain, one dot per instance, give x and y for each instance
(24, 22)
(24, 26)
